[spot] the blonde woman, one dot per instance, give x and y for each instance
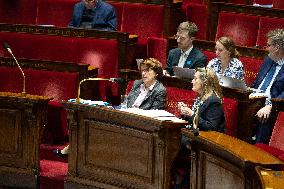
(207, 108)
(206, 114)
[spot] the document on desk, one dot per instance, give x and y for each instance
(156, 114)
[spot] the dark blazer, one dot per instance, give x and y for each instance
(210, 115)
(194, 60)
(277, 88)
(104, 18)
(155, 99)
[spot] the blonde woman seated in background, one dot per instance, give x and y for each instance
(146, 93)
(226, 62)
(206, 114)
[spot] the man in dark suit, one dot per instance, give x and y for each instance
(94, 14)
(270, 80)
(186, 55)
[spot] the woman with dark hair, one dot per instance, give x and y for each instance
(227, 63)
(148, 93)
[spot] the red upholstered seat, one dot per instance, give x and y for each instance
(58, 85)
(18, 11)
(55, 12)
(231, 116)
(175, 95)
(240, 27)
(277, 139)
(185, 3)
(278, 4)
(143, 20)
(198, 14)
(129, 87)
(209, 54)
(276, 144)
(267, 24)
(157, 48)
(118, 6)
(251, 67)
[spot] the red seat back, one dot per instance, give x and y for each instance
(157, 48)
(231, 116)
(265, 25)
(198, 14)
(277, 139)
(278, 4)
(241, 28)
(58, 85)
(55, 12)
(251, 67)
(185, 3)
(143, 20)
(209, 54)
(175, 95)
(18, 11)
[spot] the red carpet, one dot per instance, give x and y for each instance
(53, 169)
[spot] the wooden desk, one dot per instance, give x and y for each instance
(220, 161)
(22, 119)
(115, 149)
(270, 179)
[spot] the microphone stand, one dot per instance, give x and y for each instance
(24, 77)
(91, 79)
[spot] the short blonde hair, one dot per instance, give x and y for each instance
(210, 83)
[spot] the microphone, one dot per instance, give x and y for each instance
(7, 47)
(117, 80)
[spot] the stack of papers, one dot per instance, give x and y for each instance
(90, 102)
(156, 114)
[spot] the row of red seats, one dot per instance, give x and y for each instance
(134, 18)
(278, 4)
(246, 30)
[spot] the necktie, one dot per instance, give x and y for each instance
(268, 77)
(183, 57)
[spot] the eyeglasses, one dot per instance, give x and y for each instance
(179, 37)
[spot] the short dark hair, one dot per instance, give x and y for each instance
(155, 65)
